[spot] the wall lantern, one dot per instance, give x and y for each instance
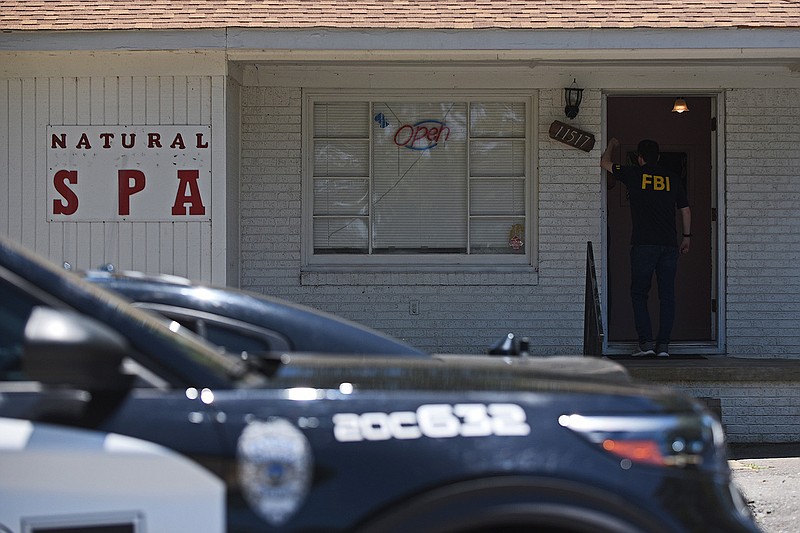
(572, 95)
(680, 105)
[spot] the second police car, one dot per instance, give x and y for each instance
(56, 479)
(357, 443)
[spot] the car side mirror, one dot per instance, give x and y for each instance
(511, 345)
(63, 347)
(508, 345)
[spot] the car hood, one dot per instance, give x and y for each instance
(447, 373)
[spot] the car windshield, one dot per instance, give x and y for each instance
(158, 344)
(247, 321)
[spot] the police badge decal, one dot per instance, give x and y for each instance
(275, 468)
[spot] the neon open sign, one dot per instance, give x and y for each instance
(424, 135)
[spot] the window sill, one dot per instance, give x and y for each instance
(456, 276)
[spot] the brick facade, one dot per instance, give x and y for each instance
(461, 312)
(763, 214)
(754, 412)
(458, 312)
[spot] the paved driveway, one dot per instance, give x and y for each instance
(769, 477)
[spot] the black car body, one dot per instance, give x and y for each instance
(245, 321)
(358, 443)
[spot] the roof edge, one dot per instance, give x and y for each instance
(239, 39)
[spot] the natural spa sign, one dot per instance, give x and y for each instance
(137, 173)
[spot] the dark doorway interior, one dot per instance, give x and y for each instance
(686, 145)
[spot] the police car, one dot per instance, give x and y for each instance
(244, 321)
(306, 442)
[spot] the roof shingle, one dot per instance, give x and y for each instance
(83, 15)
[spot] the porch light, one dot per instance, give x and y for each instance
(572, 95)
(680, 105)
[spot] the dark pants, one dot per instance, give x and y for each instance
(663, 261)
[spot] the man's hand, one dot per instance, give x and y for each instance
(686, 224)
(605, 160)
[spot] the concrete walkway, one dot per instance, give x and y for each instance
(769, 477)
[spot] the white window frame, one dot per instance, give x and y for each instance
(409, 262)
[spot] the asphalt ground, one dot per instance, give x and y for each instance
(769, 477)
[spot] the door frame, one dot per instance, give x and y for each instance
(718, 272)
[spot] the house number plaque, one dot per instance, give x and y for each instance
(570, 136)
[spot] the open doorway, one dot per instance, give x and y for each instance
(687, 142)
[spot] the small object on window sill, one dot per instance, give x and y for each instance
(515, 241)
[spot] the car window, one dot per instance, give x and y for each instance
(15, 308)
(234, 336)
(235, 341)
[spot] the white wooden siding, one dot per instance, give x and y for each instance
(28, 105)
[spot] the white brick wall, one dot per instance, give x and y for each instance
(754, 412)
(458, 312)
(763, 218)
(270, 190)
(467, 312)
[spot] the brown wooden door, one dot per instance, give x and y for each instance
(686, 147)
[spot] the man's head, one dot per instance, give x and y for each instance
(648, 151)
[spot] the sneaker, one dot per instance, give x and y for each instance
(643, 351)
(662, 351)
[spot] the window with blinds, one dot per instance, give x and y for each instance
(396, 178)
